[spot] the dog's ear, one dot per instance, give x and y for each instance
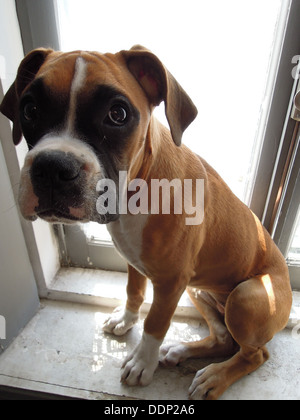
(159, 85)
(27, 71)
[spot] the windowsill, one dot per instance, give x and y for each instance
(104, 288)
(63, 352)
(108, 289)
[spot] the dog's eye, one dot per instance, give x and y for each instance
(30, 111)
(117, 115)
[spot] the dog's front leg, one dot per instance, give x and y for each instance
(140, 365)
(121, 321)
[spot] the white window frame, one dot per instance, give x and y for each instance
(276, 129)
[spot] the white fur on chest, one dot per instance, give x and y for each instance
(127, 235)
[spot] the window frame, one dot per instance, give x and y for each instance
(287, 213)
(276, 128)
(276, 125)
(38, 22)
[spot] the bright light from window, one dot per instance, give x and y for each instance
(219, 51)
(294, 251)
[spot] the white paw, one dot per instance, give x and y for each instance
(140, 365)
(172, 355)
(120, 321)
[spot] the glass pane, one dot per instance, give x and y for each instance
(294, 251)
(95, 232)
(219, 51)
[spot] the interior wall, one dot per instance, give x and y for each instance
(18, 292)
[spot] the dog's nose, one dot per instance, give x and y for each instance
(54, 169)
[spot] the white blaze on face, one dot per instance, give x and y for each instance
(65, 141)
(77, 84)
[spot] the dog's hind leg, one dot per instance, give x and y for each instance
(255, 310)
(218, 343)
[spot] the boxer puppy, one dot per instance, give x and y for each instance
(87, 118)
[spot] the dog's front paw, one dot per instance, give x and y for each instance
(172, 355)
(140, 365)
(120, 321)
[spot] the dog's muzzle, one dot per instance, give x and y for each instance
(59, 182)
(57, 178)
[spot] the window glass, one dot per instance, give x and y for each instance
(294, 251)
(219, 51)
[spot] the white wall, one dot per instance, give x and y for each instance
(40, 241)
(18, 291)
(19, 268)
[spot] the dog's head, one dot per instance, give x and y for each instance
(85, 117)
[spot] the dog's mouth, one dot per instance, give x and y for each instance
(54, 215)
(57, 216)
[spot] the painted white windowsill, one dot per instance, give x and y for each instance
(64, 351)
(108, 289)
(104, 288)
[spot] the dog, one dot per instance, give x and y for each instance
(87, 116)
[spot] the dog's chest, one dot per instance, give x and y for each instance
(127, 236)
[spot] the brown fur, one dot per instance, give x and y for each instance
(233, 271)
